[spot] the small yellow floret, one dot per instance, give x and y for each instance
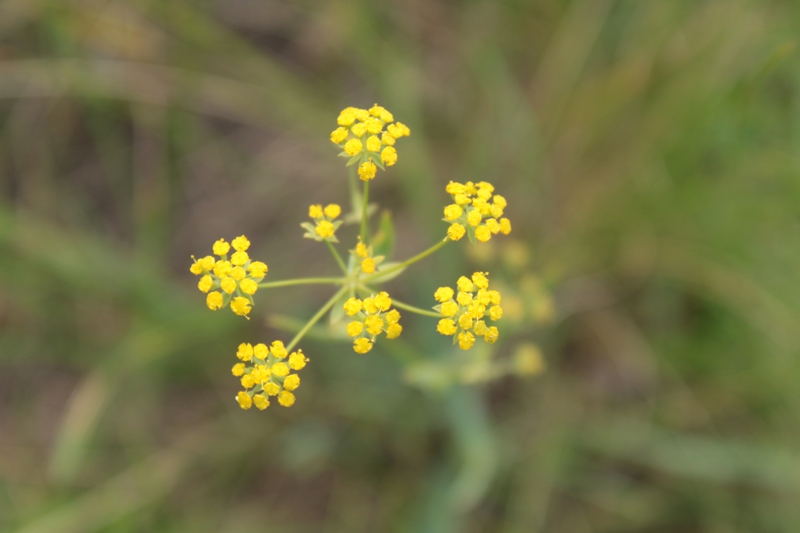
(332, 210)
(286, 398)
(278, 349)
(491, 335)
(393, 331)
(221, 247)
(449, 308)
(238, 369)
(480, 280)
(370, 307)
(245, 402)
(368, 265)
(354, 329)
(466, 340)
(297, 360)
(358, 130)
(346, 117)
(325, 229)
(446, 326)
(221, 268)
(291, 382)
(455, 232)
(240, 306)
(260, 351)
(353, 147)
(240, 258)
(373, 143)
(383, 301)
(367, 171)
(280, 369)
(392, 317)
(374, 325)
(205, 284)
(214, 300)
(495, 312)
(248, 286)
(227, 284)
(443, 294)
(482, 233)
(474, 217)
(362, 345)
(389, 156)
(257, 269)
(240, 243)
(238, 273)
(272, 388)
(374, 125)
(464, 284)
(261, 401)
(352, 306)
(315, 211)
(387, 139)
(505, 226)
(338, 135)
(361, 250)
(245, 352)
(453, 212)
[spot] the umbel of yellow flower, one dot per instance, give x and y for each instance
(363, 140)
(229, 281)
(325, 225)
(265, 372)
(476, 212)
(363, 254)
(371, 317)
(464, 312)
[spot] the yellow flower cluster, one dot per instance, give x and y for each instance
(325, 225)
(465, 312)
(234, 280)
(373, 317)
(264, 372)
(363, 140)
(364, 254)
(475, 212)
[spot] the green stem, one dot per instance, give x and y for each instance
(314, 319)
(337, 257)
(364, 204)
(302, 281)
(411, 308)
(407, 262)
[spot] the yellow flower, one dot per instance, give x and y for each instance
(464, 298)
(240, 306)
(453, 212)
(238, 273)
(387, 139)
(443, 294)
(245, 402)
(480, 328)
(370, 306)
(315, 211)
(496, 312)
(261, 401)
(368, 265)
(297, 360)
(239, 258)
(373, 143)
(278, 349)
(493, 226)
(228, 284)
(491, 335)
(482, 233)
(465, 321)
(291, 382)
(362, 345)
(455, 232)
(325, 229)
(393, 331)
(248, 381)
(214, 300)
(383, 301)
(353, 147)
(260, 351)
(449, 308)
(464, 284)
(466, 340)
(346, 117)
(392, 317)
(446, 326)
(496, 211)
(257, 269)
(245, 352)
(238, 370)
(332, 210)
(454, 188)
(221, 268)
(358, 130)
(367, 170)
(248, 286)
(205, 284)
(240, 244)
(374, 325)
(361, 250)
(272, 388)
(374, 125)
(286, 398)
(338, 135)
(221, 247)
(480, 280)
(352, 306)
(354, 329)
(499, 201)
(280, 369)
(505, 226)
(389, 156)
(474, 217)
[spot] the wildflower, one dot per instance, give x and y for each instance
(363, 140)
(464, 315)
(237, 279)
(476, 212)
(264, 373)
(325, 225)
(373, 316)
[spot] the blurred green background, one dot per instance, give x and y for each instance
(649, 152)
